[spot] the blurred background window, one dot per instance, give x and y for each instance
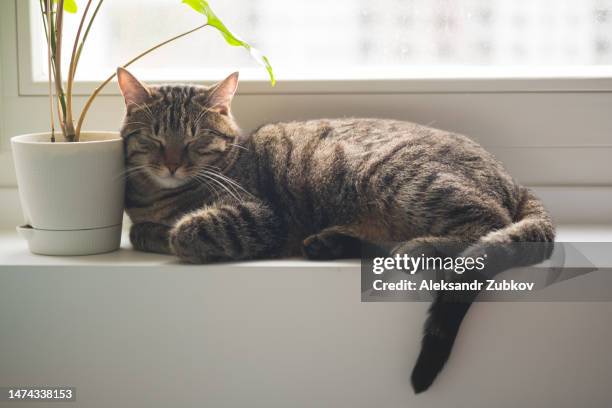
(349, 39)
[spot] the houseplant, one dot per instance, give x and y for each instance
(71, 181)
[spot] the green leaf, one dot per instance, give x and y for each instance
(202, 7)
(70, 6)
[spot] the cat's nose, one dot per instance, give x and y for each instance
(172, 167)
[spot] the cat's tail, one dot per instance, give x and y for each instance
(527, 241)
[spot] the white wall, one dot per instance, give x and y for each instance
(269, 335)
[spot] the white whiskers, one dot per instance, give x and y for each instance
(226, 184)
(130, 171)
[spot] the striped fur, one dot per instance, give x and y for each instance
(318, 188)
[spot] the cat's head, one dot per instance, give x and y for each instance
(173, 133)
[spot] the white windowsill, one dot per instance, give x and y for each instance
(15, 253)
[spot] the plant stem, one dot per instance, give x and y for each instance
(99, 88)
(57, 59)
(72, 67)
(48, 35)
(91, 20)
(45, 11)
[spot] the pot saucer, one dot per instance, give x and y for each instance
(71, 242)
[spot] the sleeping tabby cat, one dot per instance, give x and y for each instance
(199, 188)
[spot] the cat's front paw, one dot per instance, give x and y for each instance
(195, 239)
(150, 237)
(185, 241)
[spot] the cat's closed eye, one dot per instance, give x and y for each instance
(200, 147)
(153, 144)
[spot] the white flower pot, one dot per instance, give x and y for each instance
(71, 193)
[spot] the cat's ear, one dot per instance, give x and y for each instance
(220, 95)
(134, 91)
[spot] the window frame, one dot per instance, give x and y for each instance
(585, 79)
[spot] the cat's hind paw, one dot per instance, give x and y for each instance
(331, 246)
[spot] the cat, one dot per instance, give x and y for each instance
(201, 189)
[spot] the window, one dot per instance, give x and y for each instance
(351, 39)
(531, 80)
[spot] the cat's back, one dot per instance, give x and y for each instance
(361, 132)
(365, 150)
(360, 142)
